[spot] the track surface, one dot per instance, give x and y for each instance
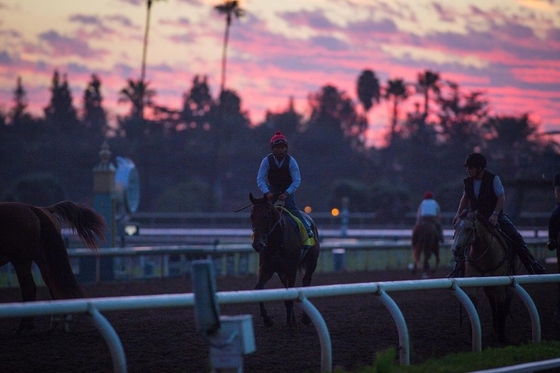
(359, 326)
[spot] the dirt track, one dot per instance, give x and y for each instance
(359, 326)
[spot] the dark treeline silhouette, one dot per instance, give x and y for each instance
(204, 155)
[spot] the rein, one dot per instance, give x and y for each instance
(273, 226)
(474, 262)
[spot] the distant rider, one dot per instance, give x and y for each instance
(429, 211)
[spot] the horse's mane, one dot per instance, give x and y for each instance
(490, 229)
(265, 202)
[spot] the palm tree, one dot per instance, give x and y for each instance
(146, 33)
(368, 88)
(145, 49)
(396, 92)
(229, 8)
(427, 81)
(139, 95)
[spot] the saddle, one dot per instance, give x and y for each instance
(502, 236)
(306, 240)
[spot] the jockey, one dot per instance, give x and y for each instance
(279, 178)
(484, 192)
(429, 211)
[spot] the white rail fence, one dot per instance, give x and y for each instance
(234, 259)
(241, 259)
(95, 306)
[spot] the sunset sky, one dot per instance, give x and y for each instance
(509, 49)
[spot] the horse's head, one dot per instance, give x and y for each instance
(465, 235)
(263, 217)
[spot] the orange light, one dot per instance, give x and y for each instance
(307, 209)
(335, 212)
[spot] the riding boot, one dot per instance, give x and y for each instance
(458, 270)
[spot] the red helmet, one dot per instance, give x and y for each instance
(278, 138)
(428, 195)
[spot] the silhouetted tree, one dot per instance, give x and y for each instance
(229, 8)
(428, 81)
(396, 92)
(18, 113)
(94, 118)
(368, 88)
(229, 125)
(511, 140)
(460, 118)
(288, 121)
(138, 95)
(197, 104)
(60, 114)
(145, 52)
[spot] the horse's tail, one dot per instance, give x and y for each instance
(89, 225)
(54, 263)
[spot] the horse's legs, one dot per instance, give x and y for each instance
(263, 279)
(416, 257)
(310, 267)
(306, 281)
(289, 281)
(436, 254)
(500, 309)
(427, 256)
(28, 291)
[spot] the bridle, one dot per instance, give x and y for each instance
(271, 225)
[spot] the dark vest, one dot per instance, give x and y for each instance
(486, 201)
(279, 178)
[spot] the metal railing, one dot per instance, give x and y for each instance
(94, 307)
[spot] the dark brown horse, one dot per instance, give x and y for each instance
(279, 245)
(425, 242)
(33, 234)
(486, 252)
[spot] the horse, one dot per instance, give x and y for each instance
(279, 245)
(557, 310)
(33, 234)
(425, 241)
(485, 251)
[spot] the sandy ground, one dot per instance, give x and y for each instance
(359, 326)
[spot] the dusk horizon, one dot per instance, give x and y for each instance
(510, 50)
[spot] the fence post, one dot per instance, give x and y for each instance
(103, 203)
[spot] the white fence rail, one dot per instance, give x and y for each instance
(236, 259)
(241, 259)
(95, 306)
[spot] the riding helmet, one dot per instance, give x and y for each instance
(475, 160)
(278, 138)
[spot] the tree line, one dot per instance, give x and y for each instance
(204, 155)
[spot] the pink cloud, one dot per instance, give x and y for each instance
(55, 44)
